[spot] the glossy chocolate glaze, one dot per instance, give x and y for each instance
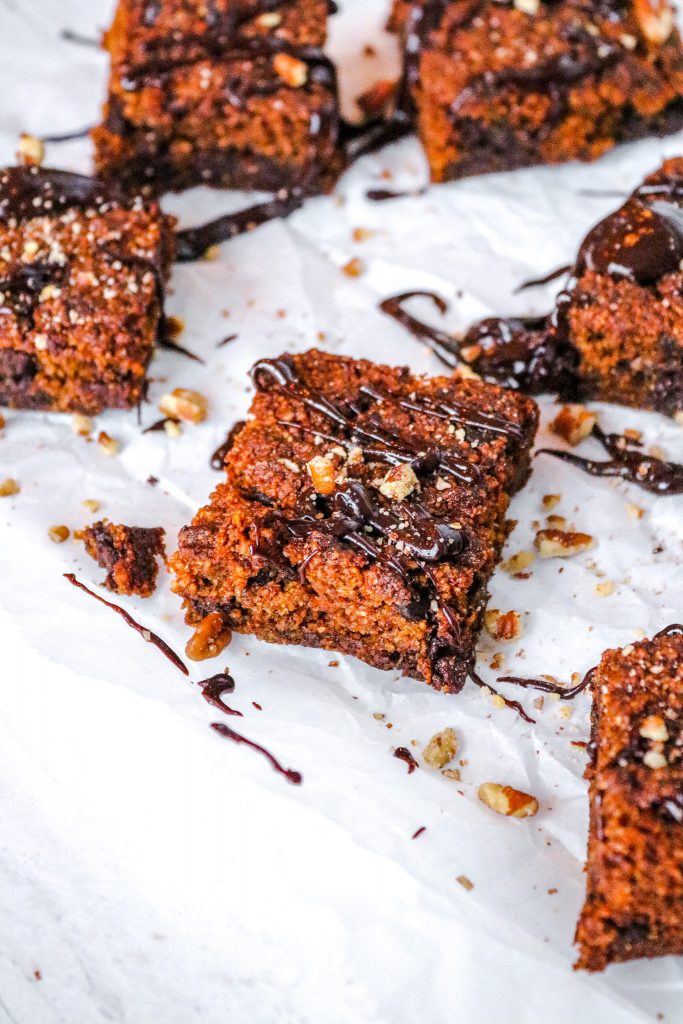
(403, 754)
(146, 634)
(652, 474)
(296, 778)
(640, 242)
(213, 689)
(352, 514)
(513, 704)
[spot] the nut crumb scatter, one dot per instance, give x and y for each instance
(442, 748)
(513, 803)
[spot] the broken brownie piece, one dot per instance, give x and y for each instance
(497, 84)
(634, 902)
(363, 512)
(128, 553)
(616, 333)
(82, 272)
(232, 94)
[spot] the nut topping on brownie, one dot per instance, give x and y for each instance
(332, 529)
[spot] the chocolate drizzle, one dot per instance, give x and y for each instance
(546, 686)
(640, 242)
(627, 463)
(675, 629)
(146, 634)
(382, 195)
(516, 352)
(403, 754)
(213, 689)
(192, 243)
(296, 778)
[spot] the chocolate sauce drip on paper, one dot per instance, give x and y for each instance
(296, 778)
(513, 704)
(79, 133)
(646, 471)
(213, 689)
(383, 195)
(192, 243)
(546, 686)
(640, 242)
(146, 634)
(403, 754)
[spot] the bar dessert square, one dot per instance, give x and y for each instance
(634, 901)
(233, 93)
(363, 512)
(616, 333)
(82, 270)
(623, 309)
(497, 85)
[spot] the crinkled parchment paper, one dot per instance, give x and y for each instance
(150, 871)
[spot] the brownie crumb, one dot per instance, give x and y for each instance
(128, 553)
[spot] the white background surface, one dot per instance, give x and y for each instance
(152, 872)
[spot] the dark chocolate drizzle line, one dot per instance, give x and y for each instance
(213, 689)
(79, 133)
(383, 195)
(146, 634)
(296, 778)
(30, 191)
(75, 37)
(536, 354)
(418, 832)
(226, 341)
(192, 243)
(546, 686)
(535, 282)
(513, 704)
(675, 629)
(164, 341)
(646, 471)
(442, 344)
(403, 754)
(159, 425)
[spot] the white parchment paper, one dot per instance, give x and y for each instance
(151, 872)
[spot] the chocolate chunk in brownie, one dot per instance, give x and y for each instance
(496, 84)
(634, 901)
(363, 512)
(82, 272)
(232, 94)
(128, 553)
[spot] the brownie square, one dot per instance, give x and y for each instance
(363, 512)
(82, 270)
(496, 85)
(616, 333)
(231, 94)
(623, 309)
(634, 901)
